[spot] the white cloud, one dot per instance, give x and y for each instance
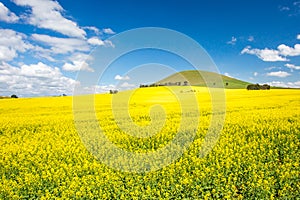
(251, 38)
(39, 70)
(266, 54)
(77, 66)
(79, 62)
(118, 77)
(232, 41)
(255, 74)
(48, 14)
(108, 31)
(92, 28)
(34, 80)
(62, 45)
(6, 15)
(104, 88)
(41, 52)
(295, 84)
(280, 74)
(80, 57)
(109, 43)
(95, 41)
(127, 85)
(11, 43)
(289, 51)
(227, 74)
(291, 66)
(94, 89)
(298, 36)
(271, 55)
(66, 45)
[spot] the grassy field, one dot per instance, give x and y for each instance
(256, 156)
(211, 79)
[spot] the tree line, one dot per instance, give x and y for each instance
(258, 87)
(184, 83)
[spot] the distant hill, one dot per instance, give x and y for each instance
(193, 78)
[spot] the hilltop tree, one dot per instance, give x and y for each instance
(14, 96)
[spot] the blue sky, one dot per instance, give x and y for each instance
(44, 43)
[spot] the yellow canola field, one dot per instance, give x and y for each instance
(256, 156)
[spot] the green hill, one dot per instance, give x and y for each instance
(193, 77)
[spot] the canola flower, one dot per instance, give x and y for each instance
(257, 154)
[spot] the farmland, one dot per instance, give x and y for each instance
(256, 156)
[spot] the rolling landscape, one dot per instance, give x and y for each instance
(256, 154)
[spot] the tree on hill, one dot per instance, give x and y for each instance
(14, 96)
(113, 91)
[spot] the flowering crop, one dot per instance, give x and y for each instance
(256, 156)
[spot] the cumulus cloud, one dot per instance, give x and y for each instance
(39, 70)
(66, 45)
(104, 88)
(34, 80)
(289, 51)
(118, 77)
(41, 52)
(291, 66)
(80, 57)
(94, 89)
(298, 37)
(6, 15)
(255, 74)
(12, 42)
(92, 28)
(109, 43)
(108, 31)
(127, 85)
(281, 74)
(61, 45)
(78, 61)
(295, 84)
(47, 14)
(77, 66)
(266, 54)
(271, 55)
(232, 41)
(95, 41)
